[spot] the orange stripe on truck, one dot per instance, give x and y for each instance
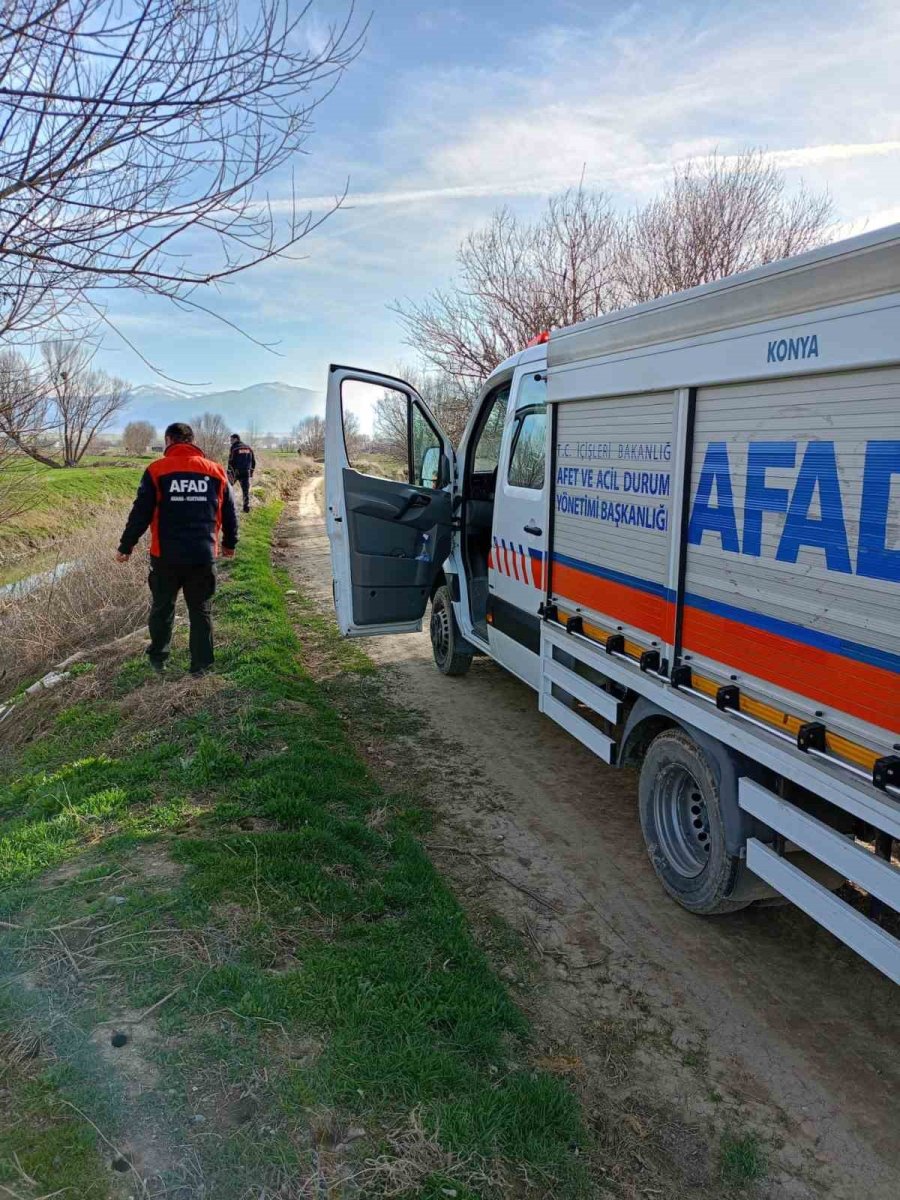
(861, 689)
(863, 681)
(619, 600)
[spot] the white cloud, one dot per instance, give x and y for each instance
(621, 108)
(620, 174)
(624, 105)
(808, 156)
(878, 219)
(414, 196)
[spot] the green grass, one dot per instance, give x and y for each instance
(742, 1159)
(313, 966)
(66, 498)
(43, 1129)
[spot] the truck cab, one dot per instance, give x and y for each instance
(465, 528)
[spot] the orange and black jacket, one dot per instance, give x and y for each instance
(241, 460)
(185, 501)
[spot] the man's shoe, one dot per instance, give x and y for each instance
(158, 666)
(200, 672)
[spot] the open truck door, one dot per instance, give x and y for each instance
(389, 471)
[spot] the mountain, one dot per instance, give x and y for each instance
(269, 407)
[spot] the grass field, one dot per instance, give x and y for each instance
(226, 963)
(63, 499)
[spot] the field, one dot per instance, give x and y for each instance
(229, 967)
(62, 500)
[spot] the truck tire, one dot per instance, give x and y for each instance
(682, 823)
(450, 655)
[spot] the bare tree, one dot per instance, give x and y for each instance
(22, 412)
(390, 428)
(579, 259)
(55, 412)
(18, 492)
(16, 482)
(716, 218)
(137, 436)
(212, 436)
(450, 404)
(134, 139)
(310, 437)
(516, 279)
(83, 400)
(25, 416)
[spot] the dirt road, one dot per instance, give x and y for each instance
(768, 1021)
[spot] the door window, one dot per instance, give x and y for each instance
(388, 435)
(528, 454)
(376, 429)
(486, 455)
(532, 391)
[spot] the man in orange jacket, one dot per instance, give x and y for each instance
(185, 500)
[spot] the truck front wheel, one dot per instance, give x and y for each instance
(682, 822)
(450, 655)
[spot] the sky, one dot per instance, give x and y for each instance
(452, 110)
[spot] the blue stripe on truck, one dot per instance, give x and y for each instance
(856, 651)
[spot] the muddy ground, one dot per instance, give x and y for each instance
(681, 1033)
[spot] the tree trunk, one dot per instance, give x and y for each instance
(35, 454)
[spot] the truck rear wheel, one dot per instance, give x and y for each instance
(683, 828)
(450, 656)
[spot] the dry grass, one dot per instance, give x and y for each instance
(415, 1157)
(281, 475)
(412, 1160)
(18, 1047)
(34, 716)
(94, 602)
(98, 599)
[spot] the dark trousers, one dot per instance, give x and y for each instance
(198, 582)
(244, 481)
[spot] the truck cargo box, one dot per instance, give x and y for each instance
(726, 488)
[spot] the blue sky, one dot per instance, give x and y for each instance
(454, 109)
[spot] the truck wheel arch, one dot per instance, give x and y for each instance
(647, 720)
(449, 580)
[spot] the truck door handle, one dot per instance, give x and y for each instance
(532, 528)
(412, 500)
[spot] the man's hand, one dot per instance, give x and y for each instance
(120, 557)
(227, 553)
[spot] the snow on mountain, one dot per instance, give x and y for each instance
(157, 391)
(268, 407)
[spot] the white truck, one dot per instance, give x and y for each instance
(679, 524)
